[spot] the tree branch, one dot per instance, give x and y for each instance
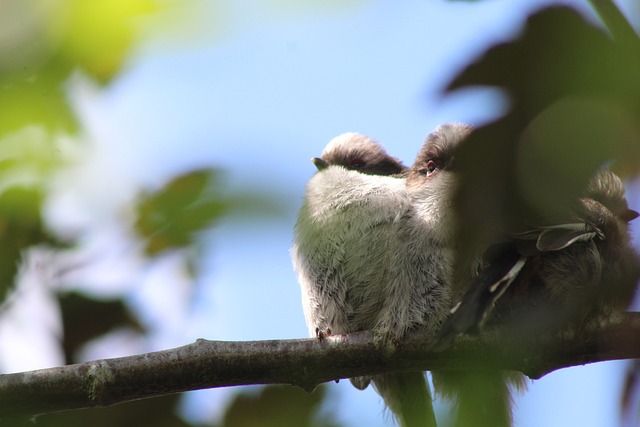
(301, 362)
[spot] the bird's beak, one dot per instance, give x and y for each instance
(630, 215)
(320, 164)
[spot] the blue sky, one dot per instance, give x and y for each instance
(259, 94)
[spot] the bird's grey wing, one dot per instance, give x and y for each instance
(503, 267)
(492, 281)
(560, 236)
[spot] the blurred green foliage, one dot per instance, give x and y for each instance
(98, 35)
(279, 406)
(171, 217)
(270, 406)
(42, 43)
(158, 412)
(85, 318)
(574, 96)
(175, 216)
(20, 227)
(574, 106)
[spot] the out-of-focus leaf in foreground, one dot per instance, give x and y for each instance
(157, 412)
(575, 106)
(174, 216)
(279, 406)
(97, 35)
(558, 54)
(43, 42)
(28, 160)
(39, 101)
(171, 217)
(85, 318)
(20, 227)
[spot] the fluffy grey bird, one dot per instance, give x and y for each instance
(342, 236)
(349, 254)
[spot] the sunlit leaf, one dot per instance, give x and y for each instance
(30, 156)
(98, 34)
(34, 102)
(43, 42)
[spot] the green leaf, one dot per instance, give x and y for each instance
(20, 227)
(46, 42)
(30, 157)
(38, 101)
(97, 35)
(172, 217)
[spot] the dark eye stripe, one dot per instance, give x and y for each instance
(356, 163)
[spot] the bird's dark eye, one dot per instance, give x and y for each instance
(356, 163)
(432, 165)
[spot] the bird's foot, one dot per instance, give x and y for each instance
(321, 334)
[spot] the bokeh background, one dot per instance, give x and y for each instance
(115, 102)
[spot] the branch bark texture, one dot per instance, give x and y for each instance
(302, 362)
